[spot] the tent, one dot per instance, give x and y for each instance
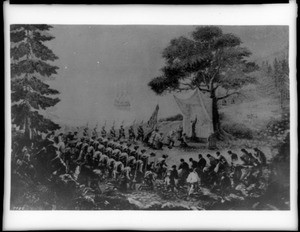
(197, 105)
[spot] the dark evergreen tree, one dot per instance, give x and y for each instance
(276, 72)
(283, 80)
(29, 67)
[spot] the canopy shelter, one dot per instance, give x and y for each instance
(196, 106)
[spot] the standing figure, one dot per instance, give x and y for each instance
(183, 142)
(140, 133)
(194, 136)
(103, 132)
(173, 178)
(152, 136)
(95, 133)
(121, 132)
(131, 133)
(112, 132)
(261, 156)
(180, 131)
(85, 132)
(183, 172)
(158, 141)
(171, 139)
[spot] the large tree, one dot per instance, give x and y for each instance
(208, 60)
(30, 67)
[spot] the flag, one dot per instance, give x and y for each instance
(153, 119)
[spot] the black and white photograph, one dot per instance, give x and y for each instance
(149, 117)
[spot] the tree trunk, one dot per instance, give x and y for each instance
(215, 113)
(218, 131)
(27, 132)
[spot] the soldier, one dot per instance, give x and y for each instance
(245, 157)
(173, 177)
(158, 141)
(149, 179)
(201, 165)
(180, 131)
(103, 132)
(233, 156)
(140, 132)
(75, 136)
(131, 133)
(183, 172)
(183, 142)
(50, 135)
(145, 159)
(121, 132)
(152, 136)
(85, 132)
(194, 164)
(261, 156)
(112, 132)
(171, 139)
(201, 162)
(95, 133)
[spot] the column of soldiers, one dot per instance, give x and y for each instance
(91, 160)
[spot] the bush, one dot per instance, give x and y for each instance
(238, 130)
(276, 128)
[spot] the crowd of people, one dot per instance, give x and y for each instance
(93, 160)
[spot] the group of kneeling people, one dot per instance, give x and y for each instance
(216, 173)
(92, 161)
(100, 159)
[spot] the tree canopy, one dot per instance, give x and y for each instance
(207, 60)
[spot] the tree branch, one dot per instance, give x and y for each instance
(216, 87)
(227, 95)
(205, 90)
(187, 84)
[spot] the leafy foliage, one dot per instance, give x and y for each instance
(209, 59)
(30, 94)
(276, 129)
(276, 81)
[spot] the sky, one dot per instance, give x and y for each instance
(97, 61)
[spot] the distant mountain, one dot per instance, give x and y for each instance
(279, 54)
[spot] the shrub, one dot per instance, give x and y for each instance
(177, 117)
(238, 130)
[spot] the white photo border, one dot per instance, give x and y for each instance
(272, 14)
